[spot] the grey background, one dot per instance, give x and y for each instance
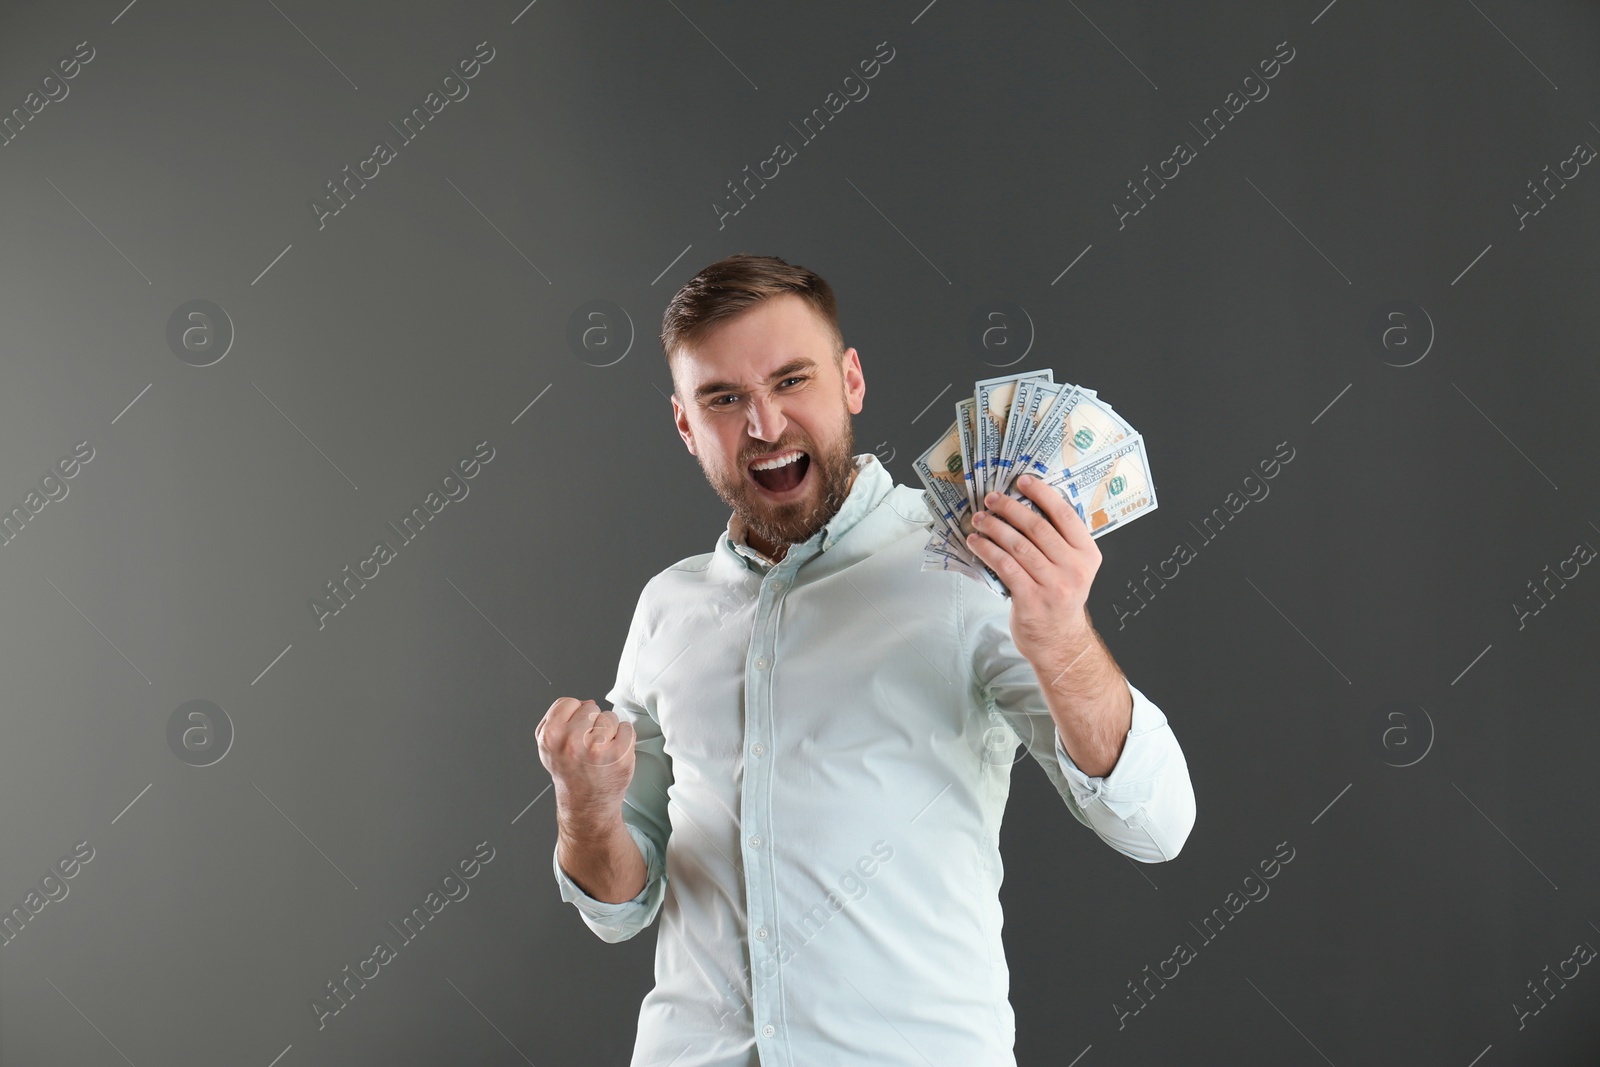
(1233, 313)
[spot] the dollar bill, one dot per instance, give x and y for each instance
(1028, 411)
(1074, 428)
(993, 396)
(1078, 445)
(939, 561)
(1111, 488)
(1014, 433)
(942, 553)
(943, 475)
(967, 426)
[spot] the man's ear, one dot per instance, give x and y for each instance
(681, 418)
(855, 383)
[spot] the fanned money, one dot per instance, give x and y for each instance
(1027, 423)
(993, 398)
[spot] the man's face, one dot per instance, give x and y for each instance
(760, 387)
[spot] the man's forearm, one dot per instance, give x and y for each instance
(600, 856)
(1089, 701)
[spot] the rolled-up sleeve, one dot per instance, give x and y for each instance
(644, 805)
(1144, 808)
(618, 922)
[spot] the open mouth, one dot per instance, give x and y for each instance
(784, 478)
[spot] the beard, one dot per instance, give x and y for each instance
(796, 521)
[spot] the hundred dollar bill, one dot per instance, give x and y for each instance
(941, 536)
(944, 552)
(967, 425)
(1075, 427)
(943, 540)
(942, 474)
(938, 561)
(1028, 410)
(1012, 437)
(1101, 419)
(1075, 443)
(1110, 488)
(993, 396)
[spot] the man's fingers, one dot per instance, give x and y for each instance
(1036, 527)
(560, 716)
(602, 728)
(1020, 546)
(1063, 516)
(620, 736)
(1002, 562)
(562, 710)
(606, 744)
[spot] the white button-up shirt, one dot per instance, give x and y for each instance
(823, 755)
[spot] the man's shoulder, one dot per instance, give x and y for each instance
(900, 519)
(689, 568)
(910, 504)
(669, 589)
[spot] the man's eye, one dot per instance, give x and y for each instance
(717, 402)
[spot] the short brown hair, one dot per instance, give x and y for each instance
(735, 284)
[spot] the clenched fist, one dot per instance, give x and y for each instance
(589, 754)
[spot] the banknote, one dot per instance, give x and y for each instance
(943, 554)
(1109, 488)
(944, 476)
(938, 561)
(993, 396)
(1078, 446)
(967, 426)
(1028, 411)
(1074, 428)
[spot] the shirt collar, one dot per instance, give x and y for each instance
(871, 485)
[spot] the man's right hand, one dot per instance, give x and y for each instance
(589, 754)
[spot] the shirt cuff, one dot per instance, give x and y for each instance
(615, 921)
(1148, 795)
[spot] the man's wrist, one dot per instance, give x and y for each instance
(603, 860)
(1073, 652)
(582, 819)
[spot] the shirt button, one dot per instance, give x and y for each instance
(768, 1030)
(755, 841)
(761, 933)
(758, 748)
(761, 663)
(777, 586)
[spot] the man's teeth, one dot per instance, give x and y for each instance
(770, 464)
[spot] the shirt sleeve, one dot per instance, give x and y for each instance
(644, 807)
(1144, 808)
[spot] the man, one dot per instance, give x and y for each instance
(811, 740)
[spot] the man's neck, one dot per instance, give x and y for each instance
(773, 552)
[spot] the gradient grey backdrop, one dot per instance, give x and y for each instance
(1343, 664)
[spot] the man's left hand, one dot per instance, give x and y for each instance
(1048, 561)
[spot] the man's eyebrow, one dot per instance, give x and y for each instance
(784, 371)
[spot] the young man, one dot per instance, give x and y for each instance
(811, 739)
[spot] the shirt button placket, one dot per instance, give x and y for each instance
(755, 818)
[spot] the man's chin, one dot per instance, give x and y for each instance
(791, 521)
(784, 523)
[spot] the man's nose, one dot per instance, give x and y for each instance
(767, 421)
